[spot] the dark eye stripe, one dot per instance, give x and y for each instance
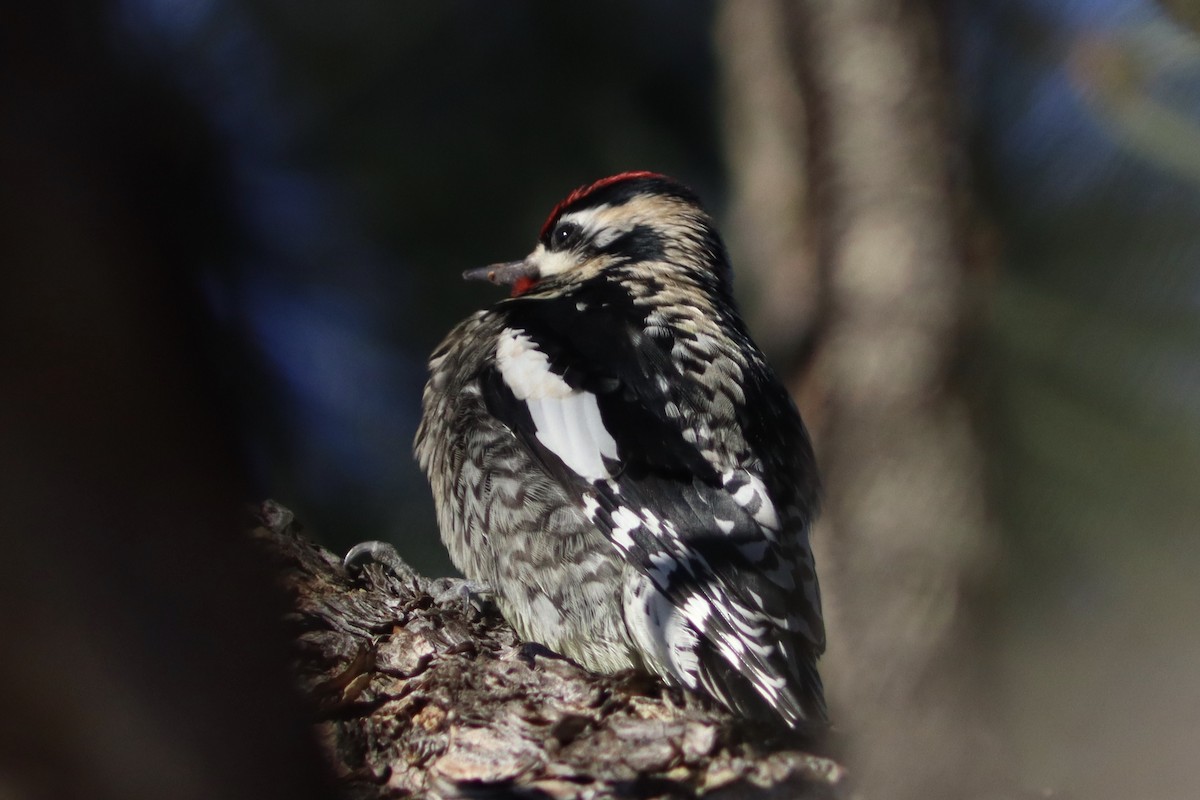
(565, 235)
(642, 243)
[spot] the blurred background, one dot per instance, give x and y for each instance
(966, 233)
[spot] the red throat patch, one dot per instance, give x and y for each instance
(584, 191)
(522, 285)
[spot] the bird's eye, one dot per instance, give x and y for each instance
(564, 234)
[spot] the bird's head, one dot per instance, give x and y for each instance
(632, 221)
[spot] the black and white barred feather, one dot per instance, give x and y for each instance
(609, 450)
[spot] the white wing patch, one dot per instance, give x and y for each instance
(567, 421)
(526, 369)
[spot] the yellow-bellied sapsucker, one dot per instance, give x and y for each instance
(611, 454)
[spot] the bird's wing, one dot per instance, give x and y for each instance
(725, 573)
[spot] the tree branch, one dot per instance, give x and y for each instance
(440, 699)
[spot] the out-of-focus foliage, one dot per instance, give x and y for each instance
(1086, 119)
(1186, 12)
(377, 150)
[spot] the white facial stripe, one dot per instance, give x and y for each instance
(552, 263)
(588, 220)
(596, 229)
(606, 236)
(595, 225)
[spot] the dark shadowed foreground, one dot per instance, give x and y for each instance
(434, 699)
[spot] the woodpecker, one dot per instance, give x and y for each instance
(609, 451)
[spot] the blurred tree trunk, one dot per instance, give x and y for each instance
(771, 228)
(868, 225)
(142, 653)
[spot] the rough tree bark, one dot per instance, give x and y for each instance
(440, 700)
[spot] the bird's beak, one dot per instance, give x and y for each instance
(503, 274)
(520, 275)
